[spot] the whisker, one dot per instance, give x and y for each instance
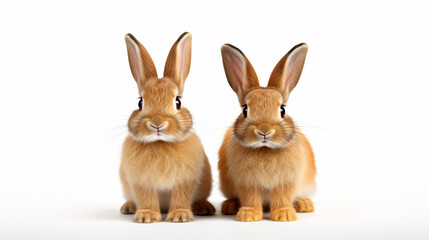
(115, 132)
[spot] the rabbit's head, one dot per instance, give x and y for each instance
(160, 116)
(264, 121)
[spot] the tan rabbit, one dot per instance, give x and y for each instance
(264, 159)
(163, 166)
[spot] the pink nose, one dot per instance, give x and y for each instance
(265, 135)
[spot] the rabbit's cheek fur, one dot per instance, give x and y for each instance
(281, 134)
(159, 120)
(176, 127)
(134, 122)
(264, 126)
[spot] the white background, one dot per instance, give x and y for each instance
(66, 93)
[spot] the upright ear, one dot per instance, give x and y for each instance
(141, 63)
(239, 72)
(286, 74)
(178, 61)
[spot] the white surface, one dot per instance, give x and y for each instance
(66, 92)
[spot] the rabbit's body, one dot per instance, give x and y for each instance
(164, 166)
(266, 168)
(265, 160)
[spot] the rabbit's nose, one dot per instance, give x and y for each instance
(264, 129)
(156, 122)
(265, 135)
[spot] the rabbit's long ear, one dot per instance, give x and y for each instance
(178, 61)
(239, 72)
(141, 63)
(286, 73)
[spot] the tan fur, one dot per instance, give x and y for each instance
(277, 171)
(289, 69)
(137, 54)
(163, 165)
(179, 61)
(238, 71)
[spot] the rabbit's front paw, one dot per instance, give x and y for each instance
(304, 205)
(249, 214)
(180, 215)
(284, 214)
(147, 216)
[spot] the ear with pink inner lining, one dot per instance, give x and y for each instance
(239, 72)
(178, 61)
(287, 72)
(141, 64)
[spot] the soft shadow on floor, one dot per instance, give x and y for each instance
(113, 214)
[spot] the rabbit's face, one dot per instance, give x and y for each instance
(264, 122)
(161, 118)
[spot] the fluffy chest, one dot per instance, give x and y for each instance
(264, 167)
(160, 164)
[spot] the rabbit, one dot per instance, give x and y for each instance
(265, 161)
(163, 165)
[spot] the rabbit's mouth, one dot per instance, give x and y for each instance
(264, 143)
(158, 135)
(267, 140)
(264, 136)
(158, 128)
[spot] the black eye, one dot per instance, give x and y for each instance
(245, 111)
(140, 103)
(178, 103)
(282, 111)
